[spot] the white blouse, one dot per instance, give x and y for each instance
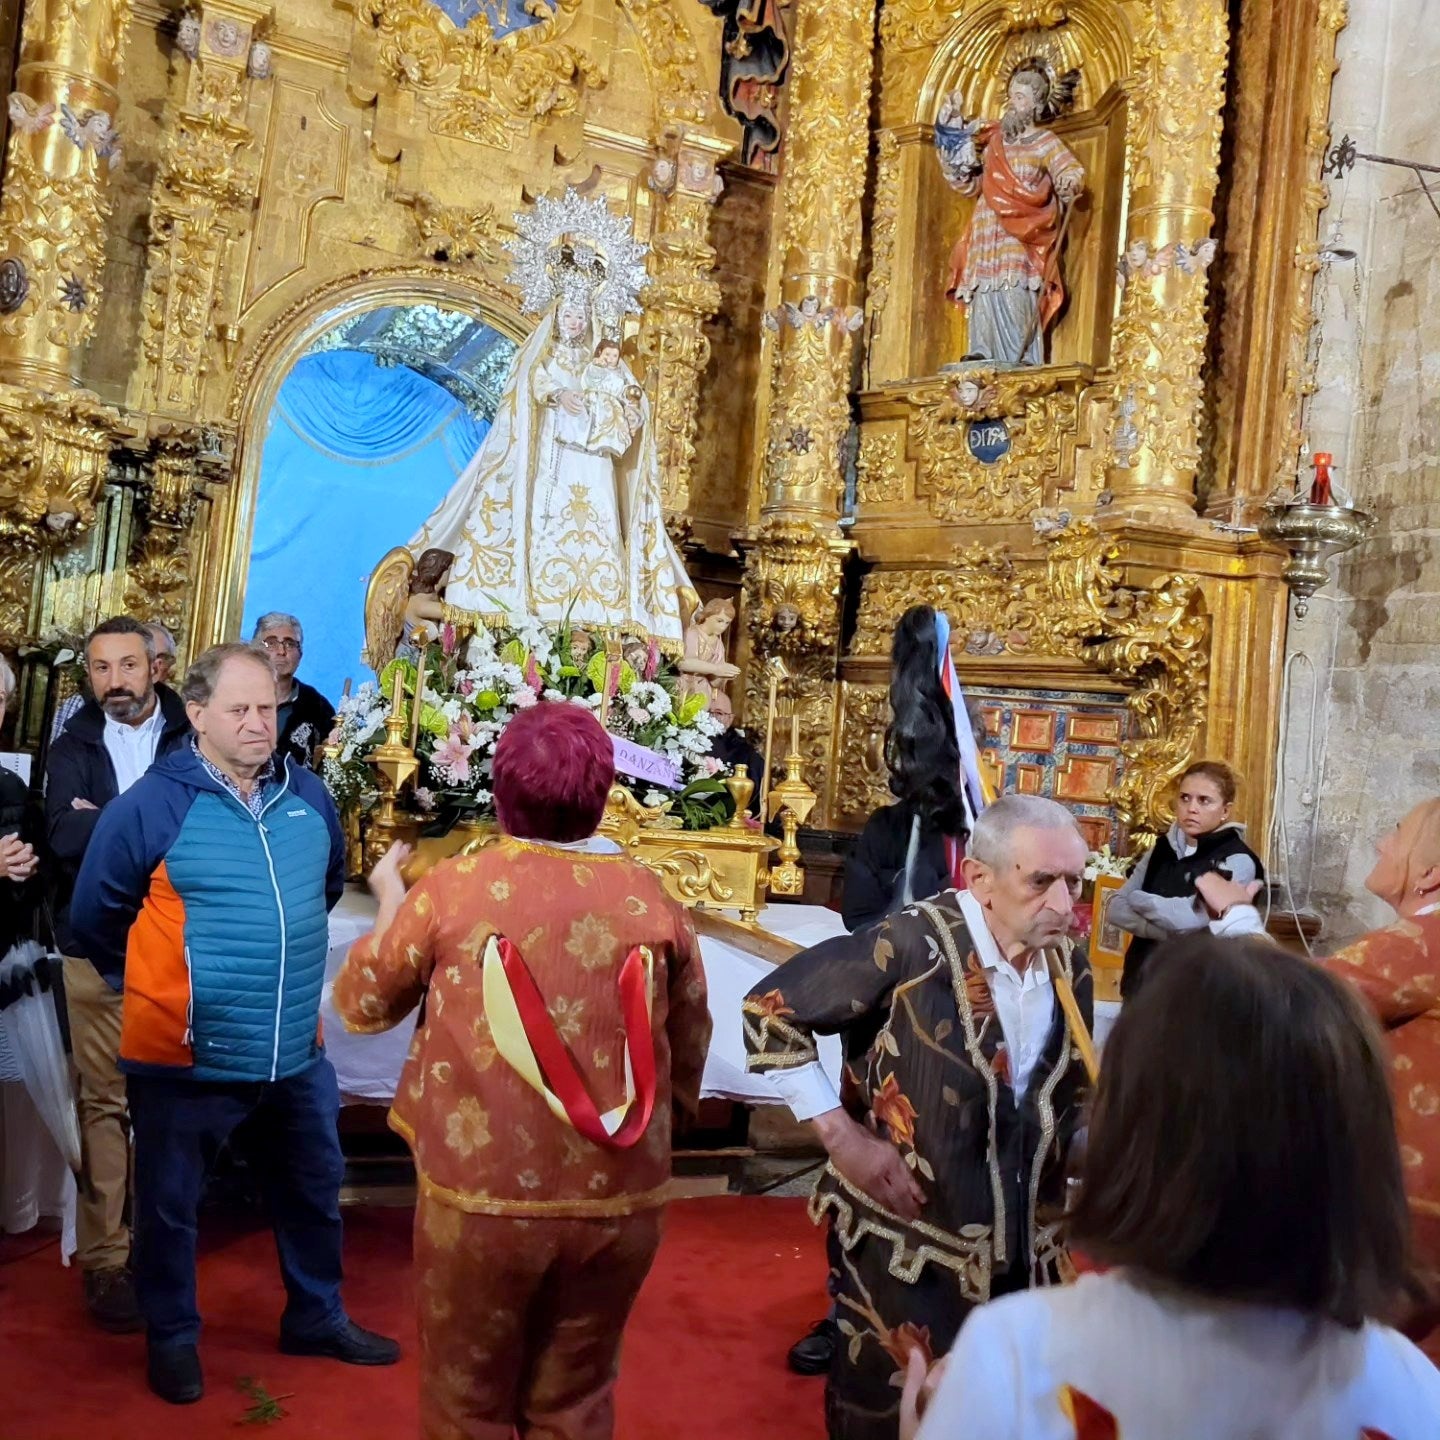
(1106, 1359)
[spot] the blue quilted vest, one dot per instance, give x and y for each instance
(255, 929)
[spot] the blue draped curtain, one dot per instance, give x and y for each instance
(356, 458)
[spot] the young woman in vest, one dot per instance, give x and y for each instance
(1159, 900)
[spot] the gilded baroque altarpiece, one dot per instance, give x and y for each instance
(193, 196)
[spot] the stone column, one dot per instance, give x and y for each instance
(1160, 337)
(792, 577)
(682, 296)
(54, 208)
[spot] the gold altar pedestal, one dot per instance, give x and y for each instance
(726, 867)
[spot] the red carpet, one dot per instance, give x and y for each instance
(736, 1282)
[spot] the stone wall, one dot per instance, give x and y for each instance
(1365, 663)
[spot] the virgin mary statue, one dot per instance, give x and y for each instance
(560, 514)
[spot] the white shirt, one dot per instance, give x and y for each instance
(132, 747)
(1024, 1007)
(1168, 1366)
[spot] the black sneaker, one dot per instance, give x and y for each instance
(174, 1373)
(351, 1343)
(110, 1299)
(816, 1352)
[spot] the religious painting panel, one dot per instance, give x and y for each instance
(1066, 745)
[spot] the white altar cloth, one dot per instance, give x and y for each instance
(368, 1066)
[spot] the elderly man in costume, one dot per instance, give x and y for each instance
(946, 1186)
(1397, 970)
(563, 1009)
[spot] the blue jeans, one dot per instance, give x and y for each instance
(179, 1126)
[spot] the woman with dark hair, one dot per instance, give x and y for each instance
(1160, 900)
(909, 851)
(1243, 1182)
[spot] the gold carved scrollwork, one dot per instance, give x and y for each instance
(878, 479)
(1161, 334)
(1040, 417)
(53, 455)
(884, 226)
(1021, 15)
(863, 784)
(1154, 637)
(55, 225)
(204, 190)
(477, 85)
(157, 580)
(792, 582)
(676, 77)
(682, 296)
(1299, 381)
(915, 24)
(454, 234)
(692, 876)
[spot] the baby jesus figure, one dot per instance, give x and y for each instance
(612, 400)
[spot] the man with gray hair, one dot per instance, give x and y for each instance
(303, 716)
(203, 897)
(946, 1176)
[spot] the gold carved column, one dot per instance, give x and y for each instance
(683, 295)
(1161, 334)
(201, 205)
(792, 576)
(54, 209)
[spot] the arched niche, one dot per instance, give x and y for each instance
(297, 334)
(919, 331)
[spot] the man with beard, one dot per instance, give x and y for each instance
(105, 748)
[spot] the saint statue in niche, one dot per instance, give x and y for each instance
(1006, 268)
(560, 516)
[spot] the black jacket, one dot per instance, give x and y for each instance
(79, 768)
(19, 815)
(311, 717)
(875, 870)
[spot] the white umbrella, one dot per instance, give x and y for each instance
(31, 1032)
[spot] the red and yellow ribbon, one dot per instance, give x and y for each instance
(526, 1037)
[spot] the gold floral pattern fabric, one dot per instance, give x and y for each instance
(520, 1320)
(484, 1141)
(1397, 969)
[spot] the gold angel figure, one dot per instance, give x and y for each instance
(403, 608)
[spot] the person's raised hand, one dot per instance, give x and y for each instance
(386, 881)
(1219, 892)
(871, 1164)
(78, 804)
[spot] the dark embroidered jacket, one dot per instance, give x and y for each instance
(936, 1080)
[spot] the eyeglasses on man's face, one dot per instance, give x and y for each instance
(280, 644)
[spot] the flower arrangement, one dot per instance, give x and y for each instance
(468, 697)
(1103, 862)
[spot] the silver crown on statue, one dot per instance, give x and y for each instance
(579, 249)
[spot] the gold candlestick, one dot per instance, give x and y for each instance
(792, 801)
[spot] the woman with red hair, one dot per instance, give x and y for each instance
(563, 1009)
